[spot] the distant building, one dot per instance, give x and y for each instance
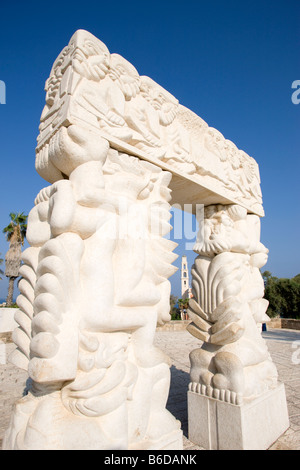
(184, 278)
(186, 291)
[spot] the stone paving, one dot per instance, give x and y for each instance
(284, 346)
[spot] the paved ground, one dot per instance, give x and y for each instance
(284, 346)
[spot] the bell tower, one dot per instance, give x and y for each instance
(185, 284)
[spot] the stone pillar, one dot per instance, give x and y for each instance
(234, 399)
(95, 285)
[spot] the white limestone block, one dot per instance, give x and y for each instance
(7, 319)
(254, 425)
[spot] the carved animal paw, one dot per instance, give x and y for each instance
(230, 373)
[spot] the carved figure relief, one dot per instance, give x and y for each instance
(94, 288)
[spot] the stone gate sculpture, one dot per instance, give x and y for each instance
(117, 149)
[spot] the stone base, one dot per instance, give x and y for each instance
(254, 425)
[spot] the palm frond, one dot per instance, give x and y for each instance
(18, 220)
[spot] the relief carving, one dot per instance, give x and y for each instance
(96, 89)
(228, 308)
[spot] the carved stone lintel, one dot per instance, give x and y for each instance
(103, 92)
(95, 285)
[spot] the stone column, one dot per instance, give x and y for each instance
(234, 398)
(95, 285)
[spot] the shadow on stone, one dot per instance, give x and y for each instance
(177, 401)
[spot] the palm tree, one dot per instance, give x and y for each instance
(1, 272)
(15, 235)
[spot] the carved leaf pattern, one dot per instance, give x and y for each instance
(216, 282)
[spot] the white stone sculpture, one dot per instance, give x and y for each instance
(233, 365)
(103, 92)
(117, 149)
(94, 288)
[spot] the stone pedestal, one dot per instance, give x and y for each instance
(254, 425)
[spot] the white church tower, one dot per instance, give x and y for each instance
(185, 284)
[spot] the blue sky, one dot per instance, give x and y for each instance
(231, 62)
